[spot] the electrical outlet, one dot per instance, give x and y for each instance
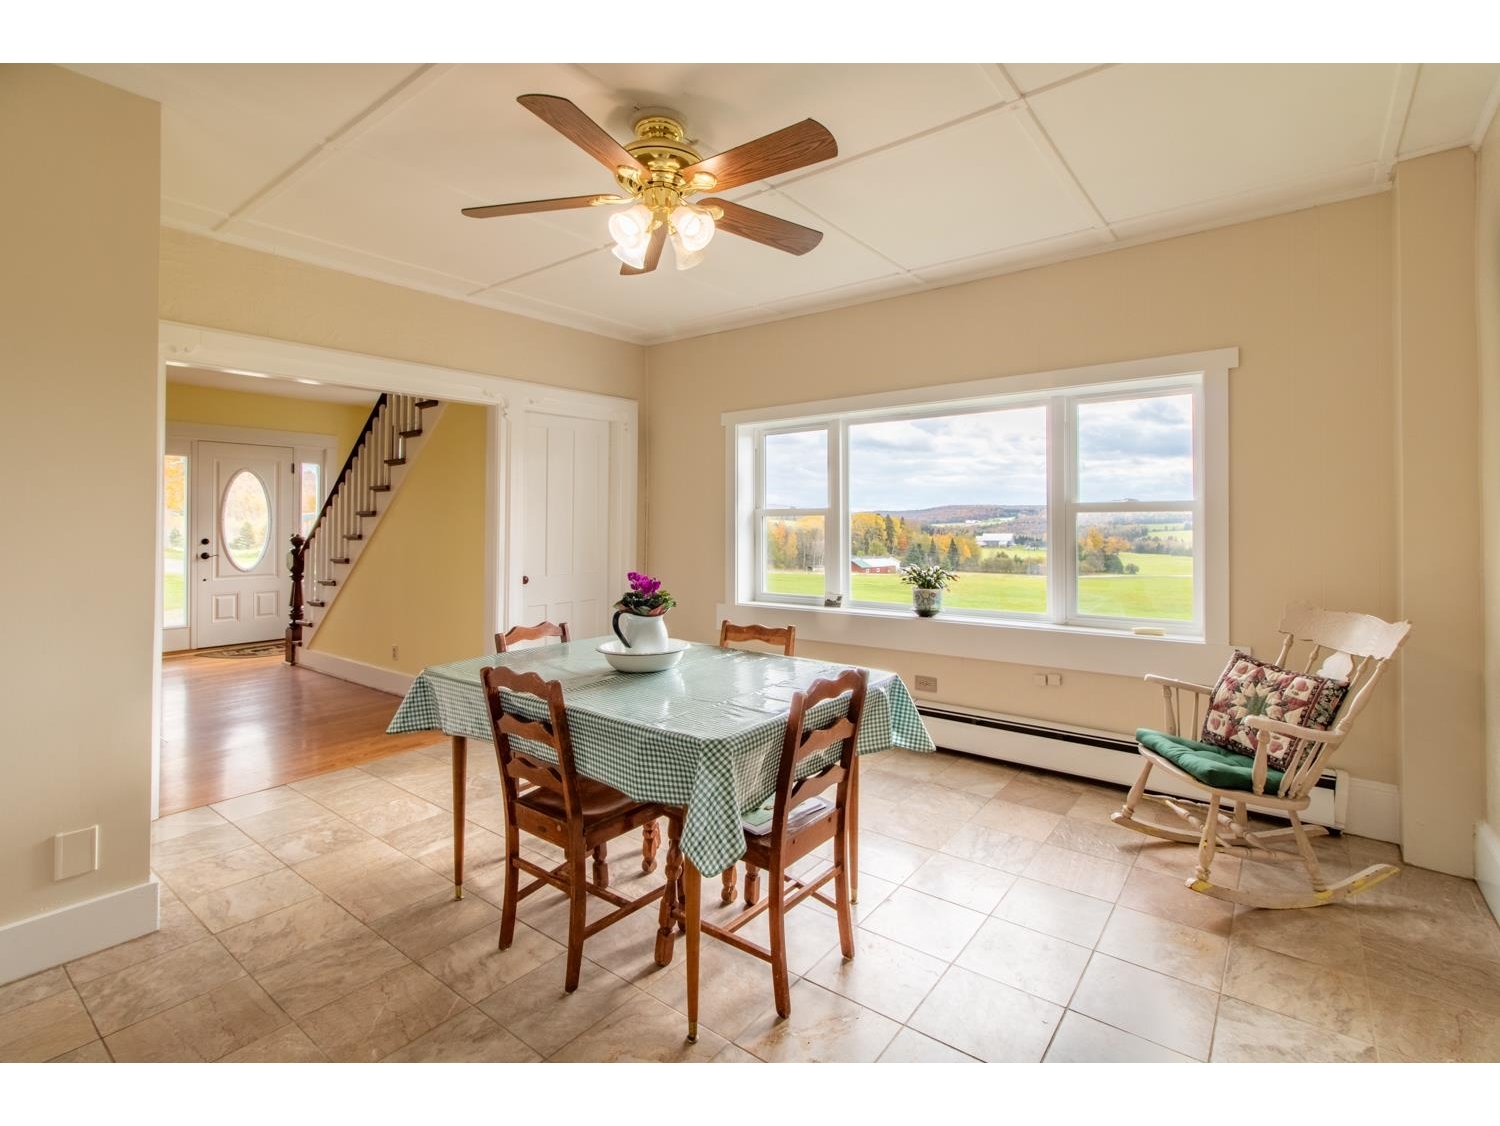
(1039, 679)
(926, 683)
(75, 853)
(1054, 679)
(395, 652)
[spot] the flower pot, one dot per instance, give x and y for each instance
(926, 602)
(641, 634)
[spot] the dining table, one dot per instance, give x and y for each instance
(704, 735)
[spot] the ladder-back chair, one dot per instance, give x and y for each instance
(1237, 743)
(539, 632)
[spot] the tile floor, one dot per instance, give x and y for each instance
(1002, 917)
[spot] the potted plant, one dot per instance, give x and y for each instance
(928, 581)
(642, 607)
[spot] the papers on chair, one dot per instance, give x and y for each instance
(758, 822)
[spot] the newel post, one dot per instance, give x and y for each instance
(294, 564)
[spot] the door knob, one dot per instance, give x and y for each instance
(206, 555)
(525, 579)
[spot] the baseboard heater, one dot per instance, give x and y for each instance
(1098, 755)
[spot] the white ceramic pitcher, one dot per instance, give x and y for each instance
(641, 634)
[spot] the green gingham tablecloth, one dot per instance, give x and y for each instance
(705, 734)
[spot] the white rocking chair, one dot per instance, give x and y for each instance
(1342, 646)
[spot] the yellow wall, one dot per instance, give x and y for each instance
(419, 584)
(1307, 298)
(1487, 305)
(81, 197)
(213, 406)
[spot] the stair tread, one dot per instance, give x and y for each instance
(313, 602)
(395, 461)
(409, 433)
(366, 512)
(427, 402)
(328, 582)
(380, 488)
(353, 536)
(340, 559)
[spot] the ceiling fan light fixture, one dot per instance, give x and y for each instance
(694, 227)
(631, 228)
(632, 256)
(686, 259)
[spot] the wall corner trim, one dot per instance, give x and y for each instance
(29, 946)
(1487, 865)
(1374, 810)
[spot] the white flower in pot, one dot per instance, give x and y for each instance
(928, 581)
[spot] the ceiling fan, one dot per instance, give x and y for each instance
(660, 171)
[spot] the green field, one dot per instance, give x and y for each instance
(173, 587)
(1163, 589)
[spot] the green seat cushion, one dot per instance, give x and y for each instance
(1213, 766)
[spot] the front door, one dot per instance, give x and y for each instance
(566, 517)
(244, 509)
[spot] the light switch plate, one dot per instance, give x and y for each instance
(75, 853)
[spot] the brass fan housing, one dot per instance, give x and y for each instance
(661, 147)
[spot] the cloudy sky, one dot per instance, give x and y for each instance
(1139, 449)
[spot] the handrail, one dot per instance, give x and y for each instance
(338, 482)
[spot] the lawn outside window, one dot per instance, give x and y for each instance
(1090, 503)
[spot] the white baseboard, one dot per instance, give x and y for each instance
(1487, 865)
(29, 946)
(356, 672)
(1374, 810)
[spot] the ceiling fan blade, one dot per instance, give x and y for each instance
(768, 230)
(794, 147)
(581, 129)
(653, 252)
(490, 211)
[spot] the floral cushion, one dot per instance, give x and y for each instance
(1251, 687)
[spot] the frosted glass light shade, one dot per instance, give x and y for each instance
(629, 228)
(694, 226)
(686, 259)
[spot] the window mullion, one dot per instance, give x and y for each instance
(836, 539)
(1060, 490)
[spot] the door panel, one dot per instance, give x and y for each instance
(565, 545)
(244, 508)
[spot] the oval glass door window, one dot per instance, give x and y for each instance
(245, 520)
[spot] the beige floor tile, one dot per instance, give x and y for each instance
(978, 776)
(887, 857)
(1439, 932)
(369, 794)
(1174, 949)
(198, 877)
(733, 1053)
(975, 886)
(812, 930)
(734, 988)
(992, 847)
(1328, 936)
(178, 927)
(92, 1052)
(324, 785)
(328, 835)
(37, 987)
(986, 1019)
(822, 1028)
(643, 1030)
(202, 1030)
(214, 840)
(181, 824)
(1181, 861)
(120, 999)
(1056, 911)
(474, 967)
(537, 1010)
(248, 805)
(356, 861)
(282, 934)
(388, 888)
(320, 975)
(1025, 959)
(287, 1045)
(45, 1028)
(1420, 1028)
(467, 1037)
(1075, 871)
(912, 1047)
(1017, 820)
(1098, 838)
(395, 813)
(1168, 897)
(924, 922)
(1097, 803)
(1446, 975)
(250, 899)
(377, 1019)
(1246, 1033)
(271, 824)
(884, 975)
(926, 815)
(1081, 1039)
(432, 923)
(1053, 793)
(1162, 1009)
(916, 765)
(1313, 994)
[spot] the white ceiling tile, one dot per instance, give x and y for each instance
(864, 105)
(1014, 257)
(1146, 139)
(1444, 107)
(1030, 77)
(389, 210)
(969, 189)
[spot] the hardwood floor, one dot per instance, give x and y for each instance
(233, 726)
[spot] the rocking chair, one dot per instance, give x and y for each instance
(1248, 753)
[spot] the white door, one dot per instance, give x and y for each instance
(244, 509)
(564, 549)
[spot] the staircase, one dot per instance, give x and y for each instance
(372, 473)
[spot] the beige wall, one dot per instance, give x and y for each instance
(1307, 298)
(80, 195)
(419, 585)
(1437, 532)
(1487, 305)
(213, 406)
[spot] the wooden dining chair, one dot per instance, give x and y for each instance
(730, 633)
(802, 818)
(539, 632)
(569, 811)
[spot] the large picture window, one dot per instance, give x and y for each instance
(1077, 505)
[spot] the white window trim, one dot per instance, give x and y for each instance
(1010, 640)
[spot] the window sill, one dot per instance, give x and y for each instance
(1019, 643)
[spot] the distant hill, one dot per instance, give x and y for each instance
(958, 513)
